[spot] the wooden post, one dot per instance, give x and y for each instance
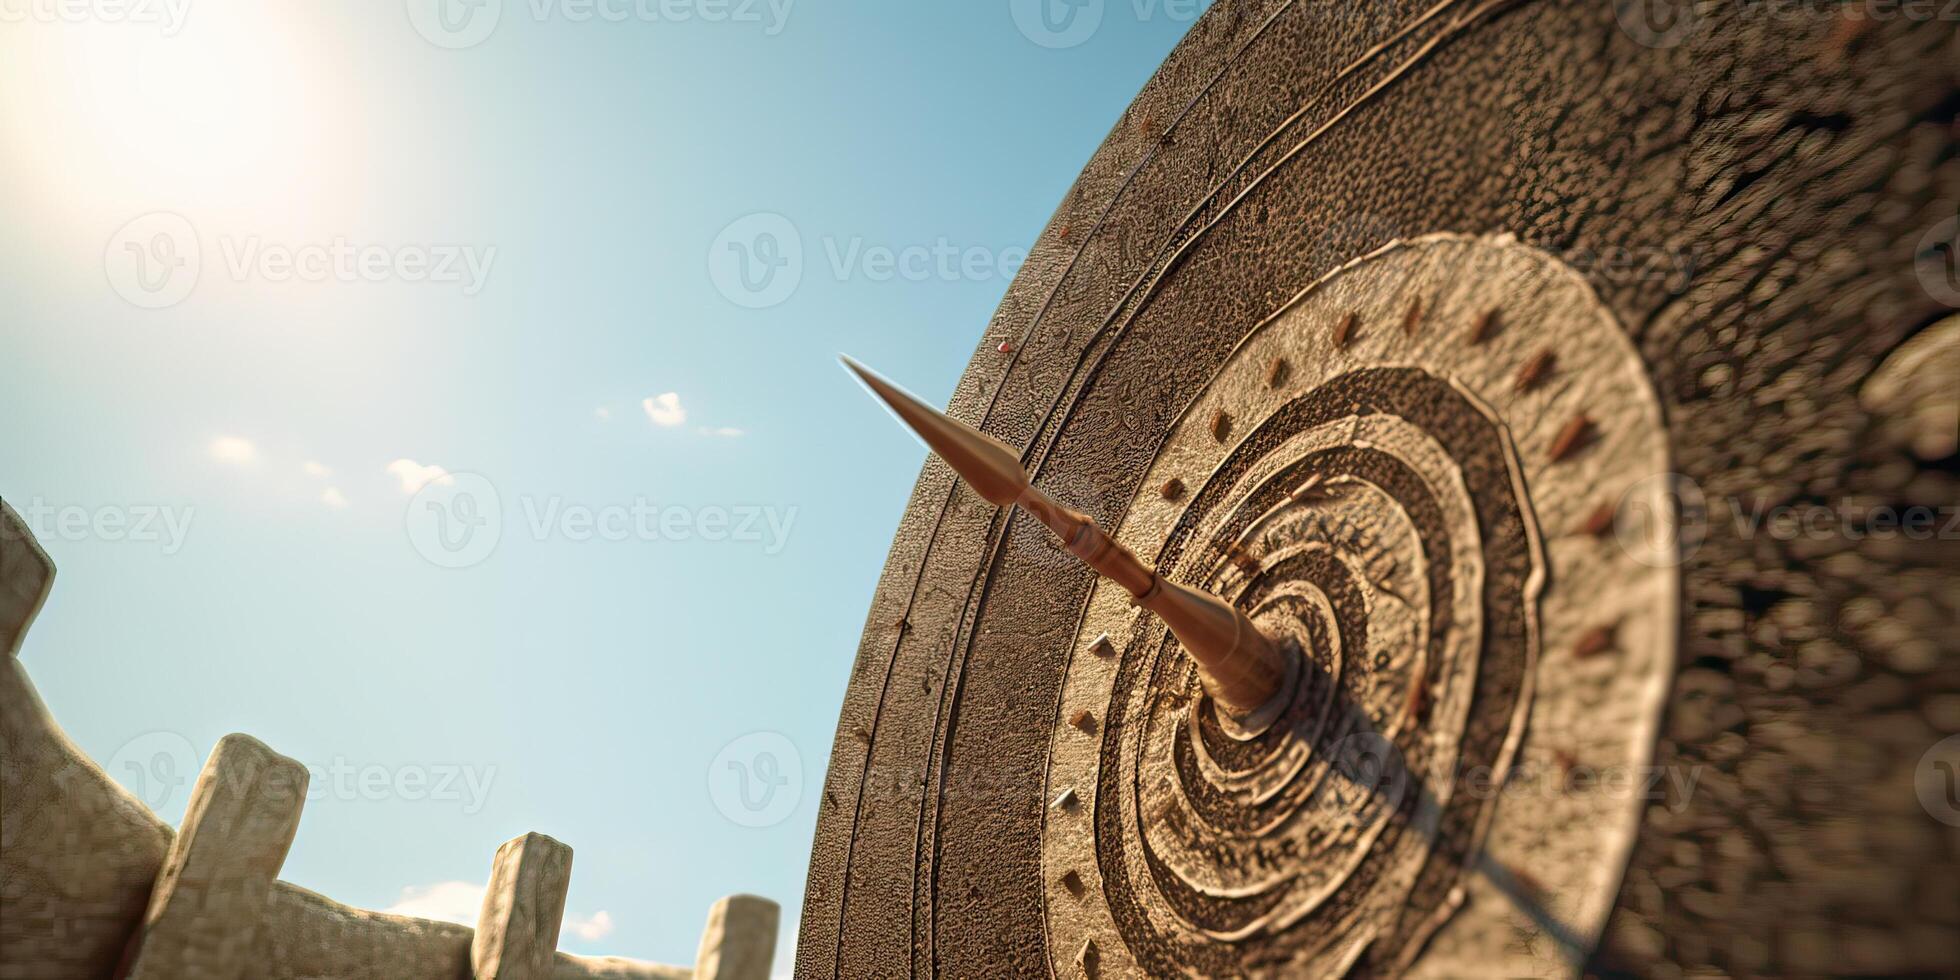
(739, 942)
(205, 912)
(517, 931)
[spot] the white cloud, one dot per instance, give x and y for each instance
(665, 410)
(232, 449)
(315, 469)
(444, 901)
(414, 475)
(598, 926)
(724, 431)
(602, 413)
(333, 498)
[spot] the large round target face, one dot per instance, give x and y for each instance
(1385, 474)
(1455, 342)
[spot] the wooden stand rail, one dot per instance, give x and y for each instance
(92, 884)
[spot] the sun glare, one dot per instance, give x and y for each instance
(225, 110)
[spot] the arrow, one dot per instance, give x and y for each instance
(1241, 669)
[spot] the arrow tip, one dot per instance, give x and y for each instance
(985, 463)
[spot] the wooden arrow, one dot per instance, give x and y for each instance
(1241, 669)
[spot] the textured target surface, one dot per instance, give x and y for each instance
(1361, 474)
(1743, 207)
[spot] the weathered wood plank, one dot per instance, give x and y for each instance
(517, 931)
(206, 913)
(739, 942)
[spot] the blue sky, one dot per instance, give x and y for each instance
(300, 296)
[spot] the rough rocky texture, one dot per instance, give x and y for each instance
(208, 906)
(1749, 202)
(518, 928)
(739, 942)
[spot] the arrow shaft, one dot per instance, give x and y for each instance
(1242, 670)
